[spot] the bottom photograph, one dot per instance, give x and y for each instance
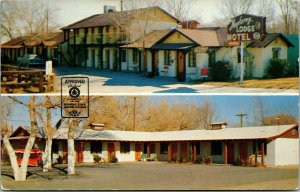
(231, 142)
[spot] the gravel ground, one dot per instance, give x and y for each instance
(156, 176)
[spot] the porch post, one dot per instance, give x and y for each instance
(262, 152)
(148, 150)
(140, 61)
(184, 65)
(120, 59)
(169, 152)
(74, 47)
(195, 152)
(86, 30)
(256, 150)
(153, 62)
(225, 153)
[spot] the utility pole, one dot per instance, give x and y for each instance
(241, 115)
(47, 21)
(121, 5)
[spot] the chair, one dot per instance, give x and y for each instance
(143, 157)
(152, 157)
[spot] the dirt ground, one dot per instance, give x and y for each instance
(156, 176)
(280, 83)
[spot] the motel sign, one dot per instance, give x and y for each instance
(246, 28)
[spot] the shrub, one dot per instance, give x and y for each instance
(208, 160)
(97, 158)
(237, 162)
(113, 159)
(221, 71)
(277, 68)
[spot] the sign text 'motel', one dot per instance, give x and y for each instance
(247, 28)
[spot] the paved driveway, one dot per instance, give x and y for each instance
(159, 176)
(110, 82)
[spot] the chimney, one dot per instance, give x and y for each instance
(109, 8)
(97, 127)
(218, 125)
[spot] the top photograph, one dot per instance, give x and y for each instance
(150, 46)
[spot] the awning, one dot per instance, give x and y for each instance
(173, 46)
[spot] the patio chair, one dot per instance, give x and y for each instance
(152, 157)
(143, 157)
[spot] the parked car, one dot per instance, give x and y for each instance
(31, 60)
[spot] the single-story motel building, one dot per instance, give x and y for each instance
(271, 145)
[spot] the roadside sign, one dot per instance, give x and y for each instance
(246, 28)
(49, 68)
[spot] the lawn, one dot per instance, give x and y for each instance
(280, 83)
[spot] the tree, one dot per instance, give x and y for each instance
(20, 172)
(289, 11)
(27, 17)
(181, 9)
(280, 119)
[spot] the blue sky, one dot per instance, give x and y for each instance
(226, 106)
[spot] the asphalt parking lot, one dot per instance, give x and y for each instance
(112, 82)
(156, 176)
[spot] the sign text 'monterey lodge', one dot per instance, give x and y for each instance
(247, 28)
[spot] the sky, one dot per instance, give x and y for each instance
(227, 107)
(70, 11)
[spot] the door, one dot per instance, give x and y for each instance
(180, 66)
(138, 151)
(174, 151)
(65, 153)
(243, 151)
(184, 150)
(93, 58)
(111, 150)
(79, 147)
(230, 153)
(152, 148)
(107, 56)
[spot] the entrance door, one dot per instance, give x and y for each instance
(138, 151)
(111, 150)
(174, 151)
(65, 153)
(107, 56)
(79, 146)
(93, 58)
(243, 150)
(184, 150)
(180, 66)
(230, 153)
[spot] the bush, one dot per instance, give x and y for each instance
(113, 159)
(277, 68)
(97, 158)
(221, 71)
(208, 160)
(237, 162)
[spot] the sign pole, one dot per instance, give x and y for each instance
(241, 67)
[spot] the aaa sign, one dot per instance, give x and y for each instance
(247, 28)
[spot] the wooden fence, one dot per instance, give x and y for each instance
(13, 77)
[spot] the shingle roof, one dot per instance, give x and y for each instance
(50, 39)
(268, 39)
(202, 37)
(149, 40)
(265, 132)
(108, 19)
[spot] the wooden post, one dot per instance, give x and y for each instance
(41, 82)
(256, 150)
(148, 150)
(195, 152)
(225, 153)
(262, 152)
(169, 152)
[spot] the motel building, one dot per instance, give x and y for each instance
(270, 145)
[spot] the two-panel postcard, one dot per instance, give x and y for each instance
(149, 95)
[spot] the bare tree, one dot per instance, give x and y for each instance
(280, 119)
(181, 9)
(20, 172)
(27, 17)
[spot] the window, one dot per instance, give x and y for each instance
(258, 143)
(100, 29)
(107, 29)
(198, 147)
(125, 147)
(77, 31)
(211, 57)
(167, 58)
(276, 52)
(216, 148)
(96, 146)
(55, 147)
(164, 148)
(192, 58)
(123, 55)
(134, 56)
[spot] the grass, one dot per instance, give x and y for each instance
(280, 83)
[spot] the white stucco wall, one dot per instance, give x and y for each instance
(126, 156)
(171, 71)
(287, 151)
